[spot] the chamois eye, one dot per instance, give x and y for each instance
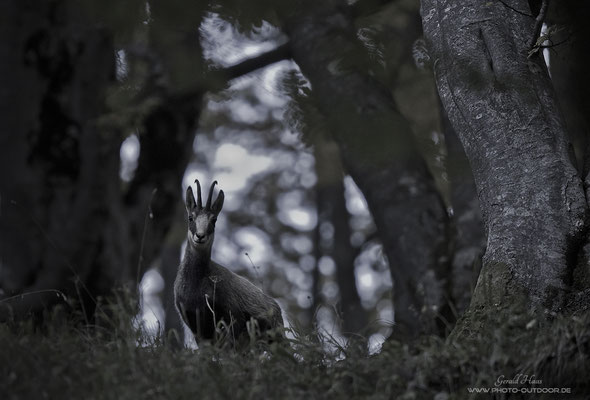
(190, 218)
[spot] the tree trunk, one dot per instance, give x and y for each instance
(316, 288)
(67, 222)
(502, 106)
(377, 148)
(332, 209)
(467, 225)
(168, 267)
(568, 61)
(55, 164)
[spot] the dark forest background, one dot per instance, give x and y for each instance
(375, 155)
(126, 100)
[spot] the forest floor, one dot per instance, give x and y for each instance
(518, 357)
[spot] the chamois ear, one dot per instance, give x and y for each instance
(216, 207)
(190, 200)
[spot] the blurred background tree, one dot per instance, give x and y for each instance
(320, 121)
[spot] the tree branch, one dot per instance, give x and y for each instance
(217, 78)
(252, 64)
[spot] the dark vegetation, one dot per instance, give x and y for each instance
(115, 359)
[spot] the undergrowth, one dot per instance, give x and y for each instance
(114, 359)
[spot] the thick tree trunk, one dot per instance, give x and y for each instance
(414, 89)
(377, 147)
(503, 108)
(55, 165)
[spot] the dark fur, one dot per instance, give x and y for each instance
(206, 293)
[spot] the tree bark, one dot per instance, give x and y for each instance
(466, 222)
(377, 147)
(502, 106)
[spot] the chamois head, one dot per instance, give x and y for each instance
(201, 220)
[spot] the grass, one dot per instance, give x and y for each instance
(63, 359)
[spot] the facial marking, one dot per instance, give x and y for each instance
(202, 225)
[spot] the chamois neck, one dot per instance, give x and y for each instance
(198, 259)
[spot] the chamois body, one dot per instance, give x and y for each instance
(207, 293)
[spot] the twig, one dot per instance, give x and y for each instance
(148, 215)
(552, 45)
(255, 269)
(81, 301)
(547, 37)
(539, 23)
(210, 308)
(59, 293)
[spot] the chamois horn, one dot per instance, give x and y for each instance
(199, 200)
(208, 205)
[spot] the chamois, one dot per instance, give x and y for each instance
(211, 300)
